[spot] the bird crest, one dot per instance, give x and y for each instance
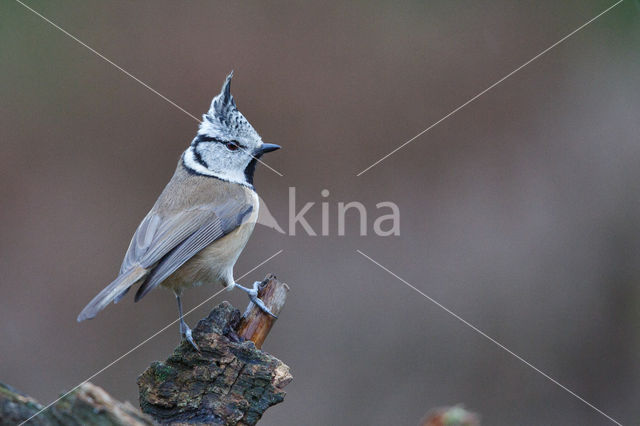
(223, 118)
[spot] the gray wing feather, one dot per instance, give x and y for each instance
(181, 254)
(227, 218)
(156, 236)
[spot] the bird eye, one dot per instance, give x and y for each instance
(231, 146)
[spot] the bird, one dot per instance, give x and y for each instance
(202, 220)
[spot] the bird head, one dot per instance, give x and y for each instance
(226, 146)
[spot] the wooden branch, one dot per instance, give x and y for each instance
(88, 404)
(255, 324)
(229, 381)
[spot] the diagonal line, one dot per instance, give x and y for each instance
(130, 75)
(491, 87)
(491, 339)
(110, 61)
(147, 339)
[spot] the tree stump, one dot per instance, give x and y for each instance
(229, 381)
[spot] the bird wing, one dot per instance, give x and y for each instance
(163, 243)
(158, 234)
(178, 238)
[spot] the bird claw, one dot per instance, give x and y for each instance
(261, 305)
(189, 337)
(253, 296)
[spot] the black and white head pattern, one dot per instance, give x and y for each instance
(226, 145)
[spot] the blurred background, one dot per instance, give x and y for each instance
(519, 213)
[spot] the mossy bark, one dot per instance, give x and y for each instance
(228, 381)
(86, 405)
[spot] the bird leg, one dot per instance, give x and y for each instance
(184, 328)
(253, 296)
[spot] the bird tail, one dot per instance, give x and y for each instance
(112, 291)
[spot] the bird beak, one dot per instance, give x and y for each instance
(267, 147)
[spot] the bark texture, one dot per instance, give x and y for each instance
(228, 382)
(88, 404)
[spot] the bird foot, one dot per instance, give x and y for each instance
(185, 331)
(253, 296)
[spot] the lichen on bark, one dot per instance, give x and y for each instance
(228, 381)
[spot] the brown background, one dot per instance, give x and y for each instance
(520, 212)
